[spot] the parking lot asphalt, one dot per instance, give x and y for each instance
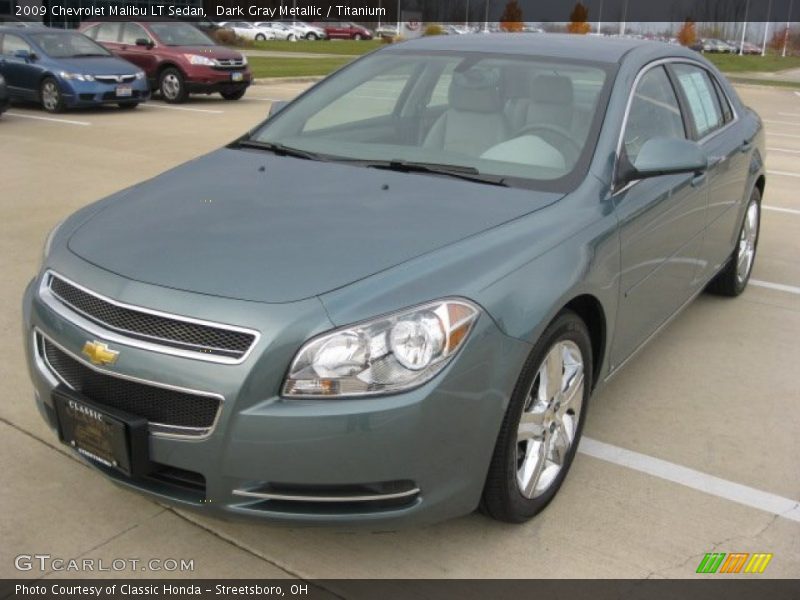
(691, 449)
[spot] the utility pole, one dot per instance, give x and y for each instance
(624, 17)
(744, 28)
(766, 29)
(398, 17)
(486, 17)
(786, 31)
(600, 17)
(466, 16)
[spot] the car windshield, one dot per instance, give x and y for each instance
(60, 44)
(527, 121)
(180, 34)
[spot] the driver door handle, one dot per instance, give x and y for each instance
(698, 179)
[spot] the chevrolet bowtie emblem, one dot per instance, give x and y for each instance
(99, 353)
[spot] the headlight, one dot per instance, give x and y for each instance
(388, 354)
(196, 59)
(244, 59)
(140, 75)
(2, 80)
(77, 76)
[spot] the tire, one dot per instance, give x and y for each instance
(311, 36)
(291, 38)
(734, 276)
(357, 37)
(172, 86)
(50, 96)
(260, 37)
(234, 95)
(128, 105)
(516, 489)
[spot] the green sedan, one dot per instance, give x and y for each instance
(391, 302)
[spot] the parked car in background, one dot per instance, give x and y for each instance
(178, 58)
(344, 30)
(64, 69)
(5, 99)
(249, 31)
(395, 300)
(715, 46)
(748, 48)
(207, 27)
(11, 21)
(304, 30)
(386, 32)
(279, 30)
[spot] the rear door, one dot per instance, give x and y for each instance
(143, 57)
(728, 147)
(107, 35)
(662, 220)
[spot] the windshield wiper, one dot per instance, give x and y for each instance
(458, 171)
(279, 149)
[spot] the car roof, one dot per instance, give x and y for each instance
(555, 45)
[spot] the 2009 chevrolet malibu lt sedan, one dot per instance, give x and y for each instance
(392, 301)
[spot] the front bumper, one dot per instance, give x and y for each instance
(88, 93)
(415, 457)
(207, 80)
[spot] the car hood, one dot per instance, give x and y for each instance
(97, 65)
(254, 226)
(210, 51)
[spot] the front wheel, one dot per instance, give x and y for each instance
(311, 36)
(733, 278)
(260, 37)
(358, 37)
(543, 423)
(172, 86)
(50, 96)
(234, 95)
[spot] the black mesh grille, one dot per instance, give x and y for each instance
(156, 329)
(157, 405)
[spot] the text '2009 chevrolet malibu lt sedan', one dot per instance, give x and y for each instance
(391, 302)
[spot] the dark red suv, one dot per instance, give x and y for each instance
(178, 58)
(344, 30)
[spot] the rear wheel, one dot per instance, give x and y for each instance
(543, 423)
(50, 96)
(733, 278)
(358, 37)
(260, 37)
(172, 86)
(234, 95)
(311, 36)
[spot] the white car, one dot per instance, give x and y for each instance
(304, 30)
(249, 31)
(282, 31)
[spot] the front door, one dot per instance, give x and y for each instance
(662, 221)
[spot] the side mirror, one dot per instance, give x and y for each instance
(24, 55)
(276, 107)
(144, 42)
(664, 156)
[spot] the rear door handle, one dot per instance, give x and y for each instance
(698, 179)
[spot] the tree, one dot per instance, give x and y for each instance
(687, 35)
(511, 19)
(579, 20)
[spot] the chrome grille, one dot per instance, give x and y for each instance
(230, 63)
(167, 410)
(136, 323)
(114, 78)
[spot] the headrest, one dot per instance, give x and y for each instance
(552, 89)
(476, 89)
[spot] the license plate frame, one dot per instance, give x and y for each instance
(237, 76)
(106, 436)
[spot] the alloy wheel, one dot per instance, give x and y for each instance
(170, 86)
(50, 96)
(549, 420)
(747, 243)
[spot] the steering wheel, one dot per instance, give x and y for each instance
(568, 147)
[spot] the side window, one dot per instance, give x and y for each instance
(376, 97)
(727, 111)
(702, 98)
(12, 43)
(108, 32)
(654, 112)
(132, 32)
(91, 32)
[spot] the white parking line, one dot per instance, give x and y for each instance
(788, 150)
(775, 122)
(785, 114)
(54, 120)
(775, 286)
(696, 480)
(791, 211)
(783, 173)
(786, 135)
(200, 110)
